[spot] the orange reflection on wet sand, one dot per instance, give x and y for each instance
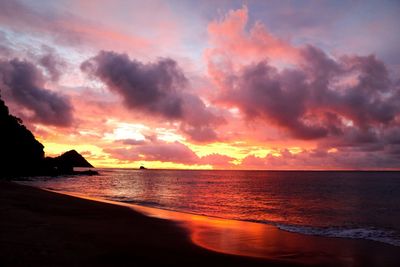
(226, 236)
(267, 241)
(243, 238)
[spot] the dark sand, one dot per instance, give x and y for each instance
(41, 228)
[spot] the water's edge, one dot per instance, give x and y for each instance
(371, 234)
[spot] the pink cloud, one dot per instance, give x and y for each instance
(342, 100)
(156, 150)
(260, 91)
(218, 161)
(321, 159)
(159, 89)
(232, 45)
(311, 98)
(70, 29)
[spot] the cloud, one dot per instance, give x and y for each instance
(79, 25)
(20, 17)
(175, 152)
(324, 159)
(159, 89)
(314, 101)
(132, 142)
(343, 157)
(52, 63)
(5, 44)
(261, 91)
(357, 87)
(218, 161)
(24, 83)
(45, 57)
(232, 36)
(159, 151)
(348, 102)
(167, 152)
(152, 87)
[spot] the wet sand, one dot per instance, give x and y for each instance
(41, 228)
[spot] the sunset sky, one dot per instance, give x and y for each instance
(207, 84)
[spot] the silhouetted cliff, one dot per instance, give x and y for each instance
(21, 153)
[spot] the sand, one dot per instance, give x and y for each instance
(41, 228)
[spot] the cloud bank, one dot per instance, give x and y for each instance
(159, 89)
(348, 102)
(24, 83)
(263, 94)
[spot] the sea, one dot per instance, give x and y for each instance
(342, 204)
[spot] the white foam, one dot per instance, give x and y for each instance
(380, 235)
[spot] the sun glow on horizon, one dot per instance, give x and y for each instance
(231, 87)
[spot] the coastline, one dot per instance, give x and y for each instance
(43, 228)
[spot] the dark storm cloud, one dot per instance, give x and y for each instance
(369, 99)
(24, 83)
(152, 87)
(279, 97)
(158, 88)
(325, 97)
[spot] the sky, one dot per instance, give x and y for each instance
(207, 84)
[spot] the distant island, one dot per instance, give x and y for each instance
(142, 168)
(23, 155)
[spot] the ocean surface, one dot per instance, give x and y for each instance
(363, 205)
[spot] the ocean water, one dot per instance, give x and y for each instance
(363, 205)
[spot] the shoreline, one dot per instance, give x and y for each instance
(253, 239)
(171, 214)
(67, 230)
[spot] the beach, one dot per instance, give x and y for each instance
(199, 133)
(42, 228)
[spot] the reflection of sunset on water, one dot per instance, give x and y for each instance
(254, 239)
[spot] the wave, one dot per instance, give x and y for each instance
(390, 237)
(386, 236)
(137, 202)
(367, 232)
